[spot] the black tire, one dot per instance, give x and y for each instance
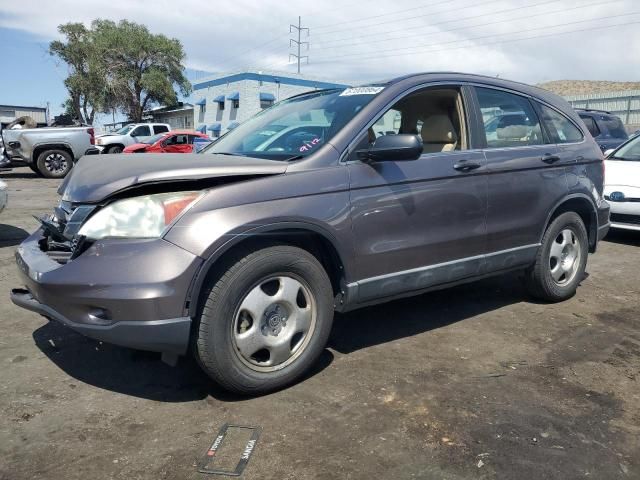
(215, 344)
(54, 163)
(115, 149)
(539, 278)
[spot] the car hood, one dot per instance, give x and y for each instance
(97, 177)
(136, 146)
(622, 172)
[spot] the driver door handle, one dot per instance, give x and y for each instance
(549, 158)
(465, 166)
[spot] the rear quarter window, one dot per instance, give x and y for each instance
(615, 127)
(560, 127)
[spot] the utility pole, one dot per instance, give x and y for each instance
(298, 42)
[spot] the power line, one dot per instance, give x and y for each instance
(262, 44)
(386, 14)
(443, 22)
(420, 48)
(496, 22)
(329, 60)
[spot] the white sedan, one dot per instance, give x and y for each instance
(622, 185)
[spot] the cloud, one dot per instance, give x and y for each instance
(364, 41)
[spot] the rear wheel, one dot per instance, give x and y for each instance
(561, 259)
(54, 163)
(115, 149)
(265, 321)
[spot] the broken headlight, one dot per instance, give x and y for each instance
(147, 216)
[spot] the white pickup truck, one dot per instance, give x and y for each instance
(50, 151)
(128, 135)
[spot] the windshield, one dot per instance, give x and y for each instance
(154, 139)
(296, 127)
(629, 151)
(124, 130)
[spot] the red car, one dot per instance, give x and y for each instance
(175, 141)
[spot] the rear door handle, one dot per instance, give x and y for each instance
(465, 166)
(549, 158)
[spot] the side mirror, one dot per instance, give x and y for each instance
(609, 152)
(392, 148)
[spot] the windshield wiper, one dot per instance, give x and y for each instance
(297, 157)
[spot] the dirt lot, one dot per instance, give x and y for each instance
(473, 382)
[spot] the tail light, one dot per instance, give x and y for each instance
(92, 138)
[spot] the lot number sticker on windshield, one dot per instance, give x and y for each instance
(361, 91)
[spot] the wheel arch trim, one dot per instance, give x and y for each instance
(251, 233)
(592, 228)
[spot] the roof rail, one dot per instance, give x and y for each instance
(593, 110)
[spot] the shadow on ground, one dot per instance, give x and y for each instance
(9, 174)
(10, 235)
(142, 374)
(412, 316)
(133, 372)
(624, 237)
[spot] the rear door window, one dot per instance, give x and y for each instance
(509, 119)
(141, 131)
(160, 128)
(591, 124)
(560, 127)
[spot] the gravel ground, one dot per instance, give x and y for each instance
(478, 381)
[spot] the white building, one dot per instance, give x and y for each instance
(223, 101)
(8, 113)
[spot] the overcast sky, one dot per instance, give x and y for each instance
(349, 41)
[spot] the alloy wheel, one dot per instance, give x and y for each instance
(274, 323)
(564, 257)
(55, 163)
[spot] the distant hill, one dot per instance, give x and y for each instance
(585, 87)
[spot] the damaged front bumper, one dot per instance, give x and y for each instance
(126, 292)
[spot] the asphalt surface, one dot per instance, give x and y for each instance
(478, 381)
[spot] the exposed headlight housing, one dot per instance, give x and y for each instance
(148, 216)
(98, 141)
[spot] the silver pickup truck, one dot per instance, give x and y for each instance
(50, 151)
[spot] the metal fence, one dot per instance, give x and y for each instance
(625, 104)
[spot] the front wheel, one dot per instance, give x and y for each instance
(561, 259)
(54, 163)
(115, 149)
(265, 320)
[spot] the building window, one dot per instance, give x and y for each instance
(220, 105)
(236, 103)
(266, 103)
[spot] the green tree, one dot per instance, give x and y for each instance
(141, 69)
(120, 65)
(85, 82)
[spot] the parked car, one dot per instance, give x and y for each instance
(622, 185)
(49, 151)
(607, 129)
(243, 255)
(175, 141)
(4, 195)
(129, 135)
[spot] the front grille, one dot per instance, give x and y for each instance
(625, 218)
